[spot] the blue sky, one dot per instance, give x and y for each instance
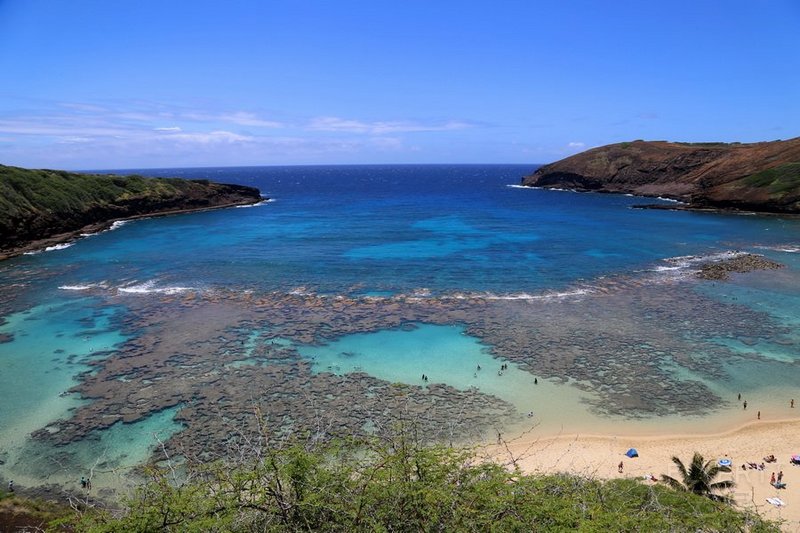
(141, 83)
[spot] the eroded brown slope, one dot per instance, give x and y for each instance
(760, 176)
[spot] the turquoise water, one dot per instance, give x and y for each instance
(445, 354)
(52, 344)
(427, 232)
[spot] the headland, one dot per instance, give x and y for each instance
(41, 208)
(760, 177)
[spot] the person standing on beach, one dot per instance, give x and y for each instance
(791, 403)
(620, 466)
(745, 405)
(759, 415)
(780, 476)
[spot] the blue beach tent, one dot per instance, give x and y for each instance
(632, 453)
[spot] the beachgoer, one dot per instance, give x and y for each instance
(739, 396)
(499, 438)
(791, 404)
(620, 467)
(11, 486)
(780, 476)
(83, 482)
(745, 404)
(772, 479)
(535, 381)
(759, 415)
(479, 367)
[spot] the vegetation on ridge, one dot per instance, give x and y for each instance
(36, 204)
(762, 177)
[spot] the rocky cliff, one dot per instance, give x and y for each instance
(761, 177)
(40, 207)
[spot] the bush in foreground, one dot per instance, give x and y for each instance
(398, 485)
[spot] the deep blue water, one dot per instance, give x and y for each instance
(398, 229)
(365, 230)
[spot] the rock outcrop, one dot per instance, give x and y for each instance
(42, 207)
(763, 177)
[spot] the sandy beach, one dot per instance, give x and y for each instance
(599, 456)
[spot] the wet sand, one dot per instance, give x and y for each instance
(596, 456)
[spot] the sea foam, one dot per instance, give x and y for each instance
(258, 204)
(149, 287)
(53, 248)
(84, 286)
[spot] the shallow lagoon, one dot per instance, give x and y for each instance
(568, 289)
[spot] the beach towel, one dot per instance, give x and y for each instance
(777, 502)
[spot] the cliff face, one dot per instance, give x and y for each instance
(760, 176)
(41, 204)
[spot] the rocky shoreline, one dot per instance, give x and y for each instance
(40, 208)
(98, 227)
(740, 264)
(759, 177)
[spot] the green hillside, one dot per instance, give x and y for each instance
(37, 204)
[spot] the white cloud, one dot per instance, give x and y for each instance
(58, 126)
(141, 133)
(240, 118)
(337, 124)
(87, 108)
(576, 145)
(248, 119)
(213, 137)
(73, 140)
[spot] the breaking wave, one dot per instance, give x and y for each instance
(149, 287)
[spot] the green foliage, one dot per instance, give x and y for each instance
(39, 203)
(24, 191)
(699, 477)
(399, 485)
(707, 144)
(778, 180)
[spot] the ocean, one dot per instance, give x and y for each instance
(322, 308)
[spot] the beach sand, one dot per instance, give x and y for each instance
(599, 456)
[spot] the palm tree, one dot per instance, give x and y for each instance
(699, 478)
